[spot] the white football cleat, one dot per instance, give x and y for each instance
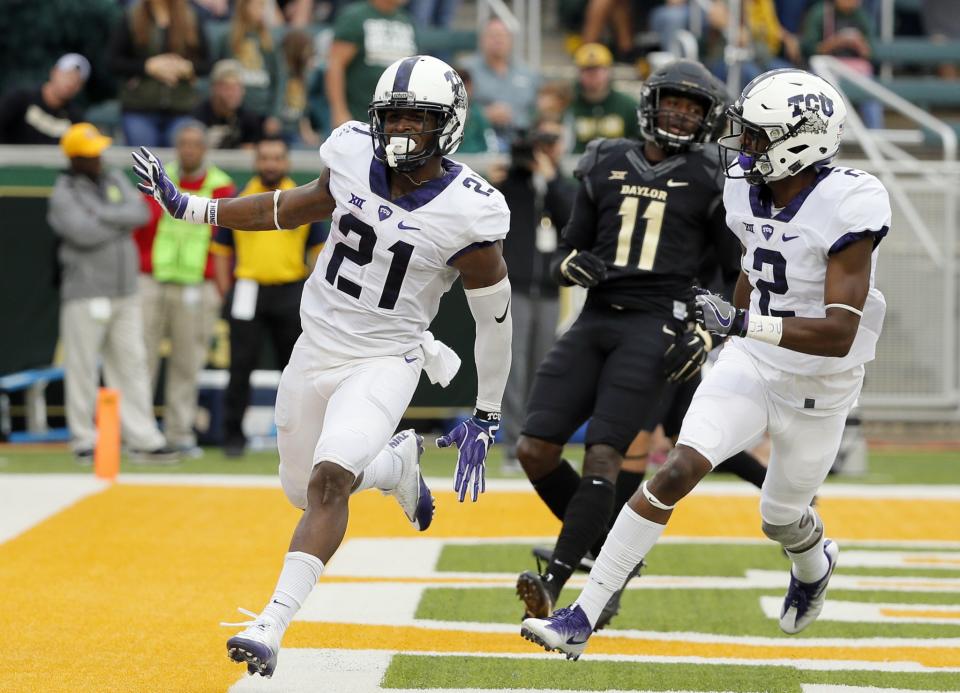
(411, 491)
(257, 645)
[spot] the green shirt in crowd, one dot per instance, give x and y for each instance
(381, 40)
(615, 116)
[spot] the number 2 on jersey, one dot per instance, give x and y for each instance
(652, 223)
(363, 255)
(778, 267)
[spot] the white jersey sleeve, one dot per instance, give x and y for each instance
(863, 209)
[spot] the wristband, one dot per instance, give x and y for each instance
(764, 328)
(196, 210)
(276, 216)
(490, 418)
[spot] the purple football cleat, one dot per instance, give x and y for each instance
(567, 631)
(804, 600)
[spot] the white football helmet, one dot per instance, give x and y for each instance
(799, 114)
(420, 83)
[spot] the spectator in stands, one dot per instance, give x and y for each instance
(598, 110)
(504, 87)
(433, 13)
(767, 44)
(215, 10)
(842, 28)
(93, 211)
(250, 43)
(618, 16)
(229, 124)
(158, 50)
(478, 136)
(303, 109)
(554, 99)
(296, 14)
(368, 36)
(270, 270)
(942, 22)
(180, 300)
(540, 198)
(42, 115)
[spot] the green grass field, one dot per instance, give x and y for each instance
(920, 467)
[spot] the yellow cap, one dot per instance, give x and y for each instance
(84, 140)
(593, 55)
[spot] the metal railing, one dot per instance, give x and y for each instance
(919, 279)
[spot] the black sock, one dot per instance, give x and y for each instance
(627, 485)
(587, 518)
(745, 466)
(557, 488)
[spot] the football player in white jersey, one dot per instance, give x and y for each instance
(805, 319)
(406, 221)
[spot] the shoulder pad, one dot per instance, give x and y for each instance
(596, 151)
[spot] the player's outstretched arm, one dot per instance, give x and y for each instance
(487, 287)
(286, 210)
(845, 292)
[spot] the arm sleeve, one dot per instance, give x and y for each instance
(490, 306)
(346, 28)
(863, 211)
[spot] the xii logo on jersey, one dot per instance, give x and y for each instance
(749, 227)
(384, 212)
(617, 175)
(356, 201)
(767, 231)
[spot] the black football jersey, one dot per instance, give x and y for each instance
(653, 224)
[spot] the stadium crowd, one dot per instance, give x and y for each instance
(271, 75)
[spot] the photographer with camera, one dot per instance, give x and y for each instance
(540, 197)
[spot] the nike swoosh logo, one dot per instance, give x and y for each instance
(571, 641)
(404, 227)
(789, 238)
(671, 183)
(504, 316)
(723, 323)
(409, 359)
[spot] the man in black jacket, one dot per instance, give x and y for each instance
(540, 197)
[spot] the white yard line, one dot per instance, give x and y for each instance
(28, 499)
(361, 671)
(873, 612)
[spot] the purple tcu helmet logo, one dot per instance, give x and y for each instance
(811, 102)
(456, 85)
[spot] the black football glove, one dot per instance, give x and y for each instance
(685, 356)
(583, 268)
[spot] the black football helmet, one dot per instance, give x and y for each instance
(686, 78)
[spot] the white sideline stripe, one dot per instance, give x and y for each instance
(362, 671)
(870, 612)
(29, 499)
(396, 557)
(929, 560)
(718, 488)
(737, 541)
(310, 670)
(755, 579)
(362, 603)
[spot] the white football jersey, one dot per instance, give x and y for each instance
(379, 279)
(787, 252)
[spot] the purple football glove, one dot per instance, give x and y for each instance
(473, 438)
(154, 181)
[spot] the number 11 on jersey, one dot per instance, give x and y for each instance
(652, 223)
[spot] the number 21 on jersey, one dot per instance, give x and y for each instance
(363, 255)
(652, 223)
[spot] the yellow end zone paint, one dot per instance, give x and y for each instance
(124, 591)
